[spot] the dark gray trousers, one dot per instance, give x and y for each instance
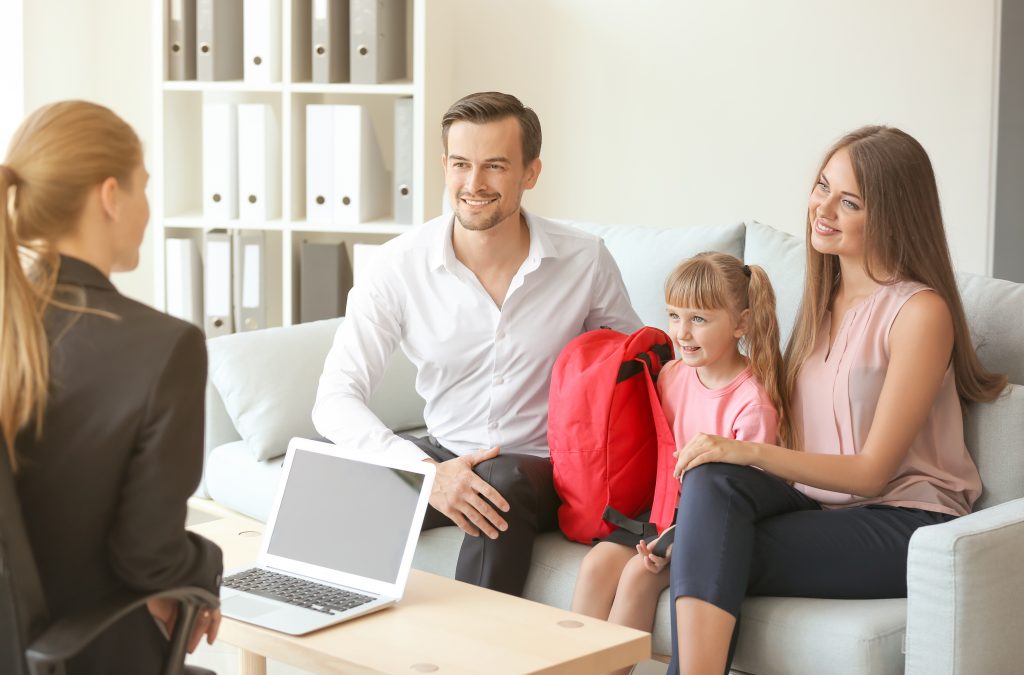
(741, 531)
(525, 482)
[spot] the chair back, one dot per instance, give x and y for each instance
(23, 612)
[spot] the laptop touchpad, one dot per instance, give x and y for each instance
(247, 606)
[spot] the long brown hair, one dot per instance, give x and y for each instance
(904, 239)
(58, 154)
(720, 281)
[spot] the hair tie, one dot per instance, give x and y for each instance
(746, 270)
(12, 178)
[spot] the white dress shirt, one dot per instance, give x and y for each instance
(483, 371)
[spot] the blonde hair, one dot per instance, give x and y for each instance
(721, 281)
(904, 239)
(57, 155)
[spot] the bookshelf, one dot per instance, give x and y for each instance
(176, 162)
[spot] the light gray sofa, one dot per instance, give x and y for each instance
(965, 578)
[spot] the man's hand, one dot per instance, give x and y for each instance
(165, 611)
(459, 494)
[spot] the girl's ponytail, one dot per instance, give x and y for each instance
(762, 342)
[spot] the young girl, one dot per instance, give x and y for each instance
(714, 303)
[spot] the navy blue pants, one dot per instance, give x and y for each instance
(526, 483)
(741, 531)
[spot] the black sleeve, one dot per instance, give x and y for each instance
(149, 546)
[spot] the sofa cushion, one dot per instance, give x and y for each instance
(783, 257)
(806, 636)
(251, 370)
(995, 436)
(995, 310)
(646, 256)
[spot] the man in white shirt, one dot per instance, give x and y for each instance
(482, 302)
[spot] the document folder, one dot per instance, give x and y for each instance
(219, 40)
(360, 183)
(319, 163)
(220, 161)
(184, 277)
(378, 41)
(324, 281)
(181, 40)
(217, 298)
(402, 184)
(261, 40)
(259, 157)
(330, 41)
(250, 281)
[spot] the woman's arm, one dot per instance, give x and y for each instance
(920, 345)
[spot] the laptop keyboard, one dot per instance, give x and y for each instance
(295, 591)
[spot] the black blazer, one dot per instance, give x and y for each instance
(103, 491)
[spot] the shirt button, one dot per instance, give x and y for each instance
(497, 379)
(499, 335)
(493, 425)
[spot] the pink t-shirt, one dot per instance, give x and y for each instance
(740, 409)
(835, 400)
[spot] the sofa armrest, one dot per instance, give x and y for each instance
(219, 430)
(965, 594)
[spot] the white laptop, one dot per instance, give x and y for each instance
(339, 542)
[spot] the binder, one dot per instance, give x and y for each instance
(218, 291)
(324, 280)
(360, 182)
(259, 156)
(184, 271)
(330, 42)
(219, 40)
(250, 282)
(402, 183)
(220, 161)
(181, 40)
(261, 40)
(378, 41)
(362, 261)
(319, 163)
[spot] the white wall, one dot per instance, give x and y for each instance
(12, 74)
(661, 112)
(98, 50)
(670, 112)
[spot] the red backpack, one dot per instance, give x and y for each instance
(605, 427)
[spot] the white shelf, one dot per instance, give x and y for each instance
(176, 153)
(387, 89)
(228, 86)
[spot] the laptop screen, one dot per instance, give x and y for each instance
(346, 515)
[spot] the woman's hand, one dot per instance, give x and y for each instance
(653, 563)
(165, 611)
(704, 448)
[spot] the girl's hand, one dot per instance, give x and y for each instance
(653, 563)
(704, 448)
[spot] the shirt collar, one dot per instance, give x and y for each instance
(541, 246)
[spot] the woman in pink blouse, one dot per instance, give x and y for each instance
(876, 370)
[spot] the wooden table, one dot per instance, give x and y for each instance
(440, 625)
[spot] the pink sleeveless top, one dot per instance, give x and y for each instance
(835, 400)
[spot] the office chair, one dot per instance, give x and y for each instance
(32, 644)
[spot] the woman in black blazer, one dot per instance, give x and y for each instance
(101, 397)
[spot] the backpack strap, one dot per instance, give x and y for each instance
(640, 528)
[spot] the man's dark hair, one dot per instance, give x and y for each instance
(491, 106)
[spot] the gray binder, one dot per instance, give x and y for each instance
(219, 40)
(250, 281)
(402, 195)
(378, 41)
(330, 41)
(217, 295)
(181, 40)
(324, 280)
